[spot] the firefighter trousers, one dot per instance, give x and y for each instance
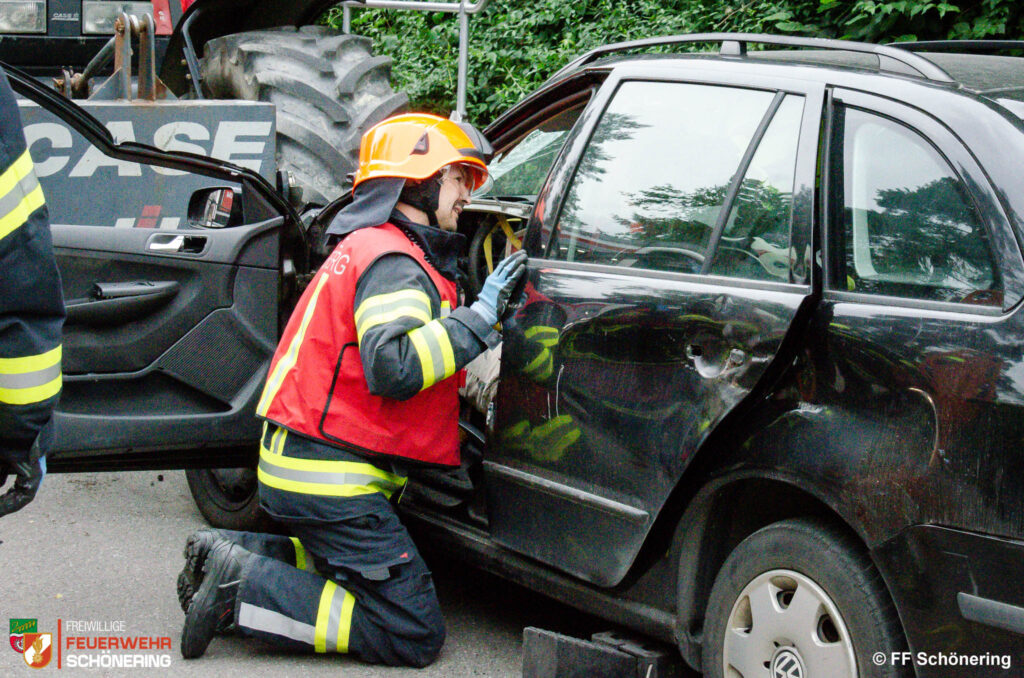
(393, 618)
(355, 586)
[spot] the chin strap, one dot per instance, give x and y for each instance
(424, 196)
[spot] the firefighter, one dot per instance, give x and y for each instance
(362, 387)
(31, 315)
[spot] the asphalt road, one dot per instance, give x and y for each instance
(105, 548)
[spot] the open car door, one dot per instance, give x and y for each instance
(171, 267)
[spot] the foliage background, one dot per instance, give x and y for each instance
(516, 44)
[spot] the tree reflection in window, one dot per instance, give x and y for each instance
(655, 174)
(910, 227)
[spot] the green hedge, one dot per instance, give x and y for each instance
(516, 44)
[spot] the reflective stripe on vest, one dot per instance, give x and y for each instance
(287, 361)
(320, 476)
(30, 379)
(20, 194)
(333, 619)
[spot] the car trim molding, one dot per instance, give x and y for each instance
(556, 489)
(991, 612)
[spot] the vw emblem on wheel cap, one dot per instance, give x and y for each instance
(786, 663)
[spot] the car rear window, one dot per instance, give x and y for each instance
(910, 227)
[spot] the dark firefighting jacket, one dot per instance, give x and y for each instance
(370, 359)
(31, 304)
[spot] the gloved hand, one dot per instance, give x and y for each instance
(28, 477)
(492, 302)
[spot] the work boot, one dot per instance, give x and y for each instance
(213, 606)
(197, 546)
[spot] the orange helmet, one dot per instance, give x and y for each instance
(417, 146)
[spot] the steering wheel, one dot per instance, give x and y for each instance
(648, 257)
(491, 243)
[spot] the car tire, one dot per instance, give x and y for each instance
(228, 498)
(328, 89)
(800, 598)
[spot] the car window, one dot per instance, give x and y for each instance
(755, 241)
(654, 177)
(86, 187)
(910, 227)
(520, 169)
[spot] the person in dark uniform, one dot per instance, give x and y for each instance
(31, 315)
(363, 386)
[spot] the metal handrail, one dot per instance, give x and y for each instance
(429, 6)
(463, 8)
(960, 46)
(735, 44)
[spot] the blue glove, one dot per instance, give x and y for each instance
(492, 302)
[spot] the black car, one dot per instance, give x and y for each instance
(760, 397)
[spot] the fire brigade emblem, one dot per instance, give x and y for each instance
(19, 627)
(38, 649)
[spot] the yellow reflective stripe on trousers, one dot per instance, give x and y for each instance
(30, 379)
(277, 439)
(434, 349)
(324, 477)
(333, 619)
(20, 194)
(385, 308)
(287, 361)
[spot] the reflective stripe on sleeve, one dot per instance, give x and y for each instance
(434, 349)
(333, 619)
(324, 477)
(30, 379)
(20, 194)
(287, 361)
(385, 308)
(302, 561)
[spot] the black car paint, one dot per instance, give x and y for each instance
(897, 418)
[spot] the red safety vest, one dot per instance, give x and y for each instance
(316, 384)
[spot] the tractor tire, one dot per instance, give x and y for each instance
(328, 89)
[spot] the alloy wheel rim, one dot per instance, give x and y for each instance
(784, 625)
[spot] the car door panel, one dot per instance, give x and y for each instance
(191, 353)
(614, 375)
(639, 386)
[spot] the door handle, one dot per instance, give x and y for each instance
(737, 357)
(177, 244)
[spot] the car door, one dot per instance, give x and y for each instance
(170, 278)
(670, 255)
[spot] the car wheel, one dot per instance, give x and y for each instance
(800, 598)
(228, 498)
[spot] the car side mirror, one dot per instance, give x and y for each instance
(214, 208)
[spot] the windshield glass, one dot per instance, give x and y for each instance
(519, 170)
